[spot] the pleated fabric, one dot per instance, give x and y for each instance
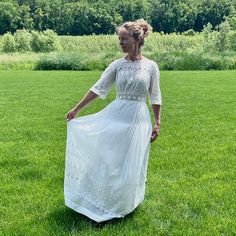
(107, 155)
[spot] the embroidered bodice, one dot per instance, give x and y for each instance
(134, 80)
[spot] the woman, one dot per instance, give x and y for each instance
(107, 152)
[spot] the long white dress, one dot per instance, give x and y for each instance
(107, 152)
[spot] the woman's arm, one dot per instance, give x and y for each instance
(157, 114)
(89, 96)
(100, 88)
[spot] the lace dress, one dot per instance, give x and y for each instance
(107, 152)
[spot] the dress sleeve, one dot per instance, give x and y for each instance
(104, 84)
(154, 88)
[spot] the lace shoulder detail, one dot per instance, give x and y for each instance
(116, 63)
(142, 65)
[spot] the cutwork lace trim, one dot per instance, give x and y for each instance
(130, 65)
(130, 97)
(93, 202)
(72, 168)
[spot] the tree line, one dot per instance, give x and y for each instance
(84, 17)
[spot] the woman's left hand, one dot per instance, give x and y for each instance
(155, 132)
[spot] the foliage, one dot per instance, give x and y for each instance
(217, 40)
(180, 60)
(60, 61)
(45, 41)
(208, 35)
(232, 40)
(213, 11)
(84, 17)
(167, 61)
(19, 61)
(209, 50)
(23, 40)
(73, 61)
(8, 17)
(189, 32)
(222, 42)
(26, 41)
(8, 43)
(172, 16)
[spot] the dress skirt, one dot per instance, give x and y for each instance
(106, 160)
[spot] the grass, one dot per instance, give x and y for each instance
(19, 61)
(191, 172)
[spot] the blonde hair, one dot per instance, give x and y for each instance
(138, 29)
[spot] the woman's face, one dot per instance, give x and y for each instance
(127, 42)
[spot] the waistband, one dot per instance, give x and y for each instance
(131, 97)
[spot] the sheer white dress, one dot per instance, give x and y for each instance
(107, 152)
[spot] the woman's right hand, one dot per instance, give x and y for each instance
(71, 114)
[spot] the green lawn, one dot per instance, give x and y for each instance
(191, 188)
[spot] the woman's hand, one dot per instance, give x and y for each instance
(71, 114)
(90, 96)
(155, 131)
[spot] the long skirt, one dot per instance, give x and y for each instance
(106, 160)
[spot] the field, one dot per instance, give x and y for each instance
(191, 188)
(95, 52)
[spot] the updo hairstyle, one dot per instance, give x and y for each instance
(138, 29)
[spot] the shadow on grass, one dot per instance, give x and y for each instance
(68, 220)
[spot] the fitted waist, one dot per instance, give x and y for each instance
(131, 97)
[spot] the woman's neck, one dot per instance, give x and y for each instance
(134, 57)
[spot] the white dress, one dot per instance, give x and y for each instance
(107, 152)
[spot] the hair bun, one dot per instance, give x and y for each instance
(138, 29)
(144, 26)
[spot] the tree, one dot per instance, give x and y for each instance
(79, 17)
(133, 10)
(212, 11)
(172, 16)
(24, 21)
(8, 17)
(222, 40)
(38, 19)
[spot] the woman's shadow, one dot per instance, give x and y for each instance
(68, 220)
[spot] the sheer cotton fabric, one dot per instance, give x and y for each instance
(107, 152)
(137, 78)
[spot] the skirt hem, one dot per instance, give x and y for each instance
(89, 213)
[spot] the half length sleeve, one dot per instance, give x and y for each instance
(154, 88)
(104, 84)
